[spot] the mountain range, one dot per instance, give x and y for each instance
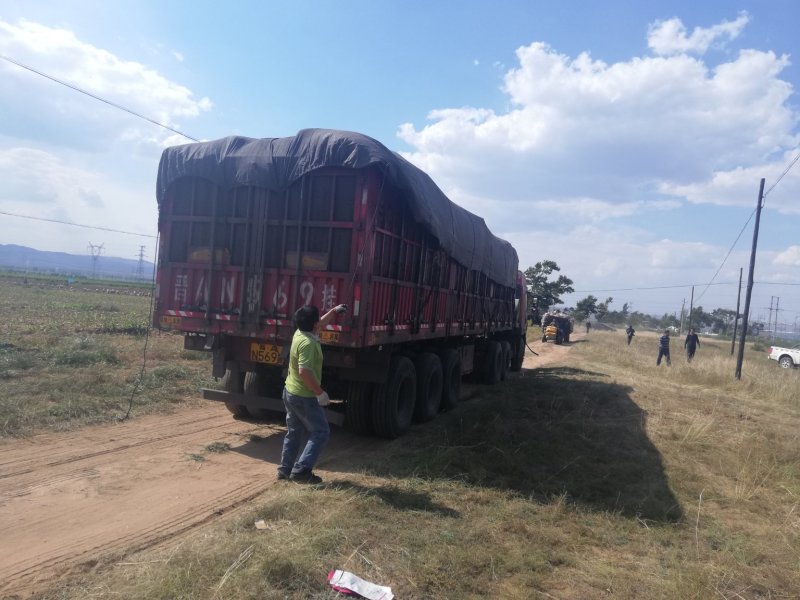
(22, 258)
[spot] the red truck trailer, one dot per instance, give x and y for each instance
(252, 229)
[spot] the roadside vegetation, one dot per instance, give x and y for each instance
(600, 476)
(71, 355)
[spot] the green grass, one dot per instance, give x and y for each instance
(71, 356)
(602, 476)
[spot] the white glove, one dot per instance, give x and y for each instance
(323, 398)
(342, 308)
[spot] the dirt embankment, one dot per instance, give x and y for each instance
(71, 500)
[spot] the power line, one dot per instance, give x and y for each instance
(782, 175)
(2, 212)
(727, 255)
(657, 287)
(109, 102)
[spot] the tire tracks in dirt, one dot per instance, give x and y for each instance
(70, 501)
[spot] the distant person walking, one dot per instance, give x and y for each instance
(691, 344)
(588, 326)
(630, 332)
(663, 348)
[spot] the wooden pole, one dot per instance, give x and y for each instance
(736, 318)
(750, 272)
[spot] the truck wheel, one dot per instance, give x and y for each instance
(358, 407)
(493, 367)
(394, 402)
(519, 355)
(451, 378)
(786, 362)
(259, 384)
(429, 387)
(506, 348)
(233, 382)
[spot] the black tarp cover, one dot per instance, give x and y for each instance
(275, 163)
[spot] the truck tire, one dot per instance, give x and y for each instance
(233, 382)
(506, 347)
(786, 362)
(394, 400)
(519, 355)
(493, 366)
(358, 407)
(429, 387)
(257, 383)
(451, 378)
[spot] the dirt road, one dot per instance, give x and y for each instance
(71, 500)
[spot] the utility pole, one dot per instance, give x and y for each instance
(751, 271)
(769, 322)
(683, 304)
(777, 304)
(95, 252)
(736, 318)
(691, 308)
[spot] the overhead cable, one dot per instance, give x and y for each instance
(96, 97)
(2, 212)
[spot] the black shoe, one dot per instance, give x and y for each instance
(305, 477)
(282, 475)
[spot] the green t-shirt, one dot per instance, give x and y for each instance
(306, 352)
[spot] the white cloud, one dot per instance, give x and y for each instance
(59, 53)
(40, 184)
(669, 37)
(739, 186)
(622, 133)
(789, 257)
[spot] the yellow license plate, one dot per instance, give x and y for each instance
(170, 321)
(266, 353)
(329, 336)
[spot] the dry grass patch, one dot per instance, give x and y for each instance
(601, 477)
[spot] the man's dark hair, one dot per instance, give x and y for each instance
(306, 317)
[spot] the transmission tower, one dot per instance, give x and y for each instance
(95, 252)
(140, 266)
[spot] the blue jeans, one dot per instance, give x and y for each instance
(663, 353)
(303, 415)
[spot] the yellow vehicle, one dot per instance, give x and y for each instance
(556, 327)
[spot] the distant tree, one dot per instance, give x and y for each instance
(668, 320)
(700, 318)
(542, 292)
(585, 307)
(723, 320)
(602, 308)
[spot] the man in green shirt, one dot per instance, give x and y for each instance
(304, 397)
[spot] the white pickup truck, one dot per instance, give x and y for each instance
(786, 357)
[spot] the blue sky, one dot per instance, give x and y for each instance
(623, 139)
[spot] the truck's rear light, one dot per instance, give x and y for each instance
(770, 350)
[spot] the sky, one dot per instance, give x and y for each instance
(624, 140)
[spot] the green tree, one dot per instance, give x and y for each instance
(602, 308)
(585, 307)
(723, 320)
(541, 291)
